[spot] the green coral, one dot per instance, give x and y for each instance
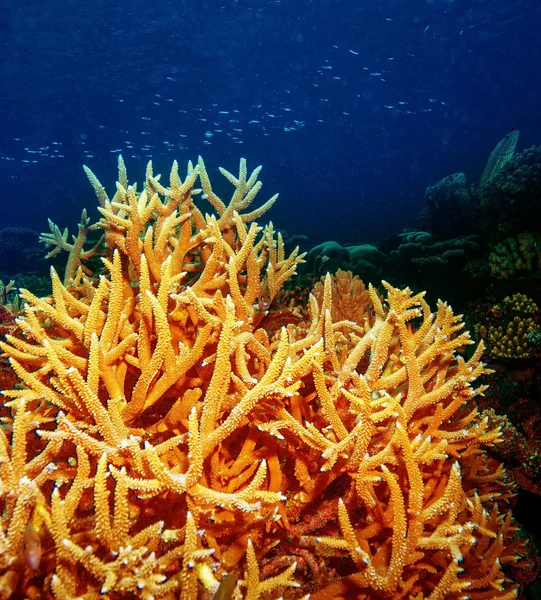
(518, 256)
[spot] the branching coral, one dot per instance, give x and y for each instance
(162, 439)
(76, 254)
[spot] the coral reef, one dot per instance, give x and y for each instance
(364, 260)
(454, 208)
(510, 201)
(511, 328)
(440, 267)
(517, 257)
(499, 157)
(162, 443)
(450, 207)
(424, 252)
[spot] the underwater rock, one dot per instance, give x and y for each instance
(364, 260)
(451, 205)
(328, 256)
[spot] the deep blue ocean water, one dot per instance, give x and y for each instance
(353, 107)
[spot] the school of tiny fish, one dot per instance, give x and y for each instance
(202, 126)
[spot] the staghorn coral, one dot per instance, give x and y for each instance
(162, 441)
(77, 255)
(350, 297)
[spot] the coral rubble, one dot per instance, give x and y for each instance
(162, 443)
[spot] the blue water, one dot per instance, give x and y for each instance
(353, 107)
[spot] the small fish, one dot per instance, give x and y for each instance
(353, 52)
(264, 300)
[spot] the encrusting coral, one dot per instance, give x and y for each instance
(162, 444)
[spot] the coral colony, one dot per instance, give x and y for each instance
(178, 430)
